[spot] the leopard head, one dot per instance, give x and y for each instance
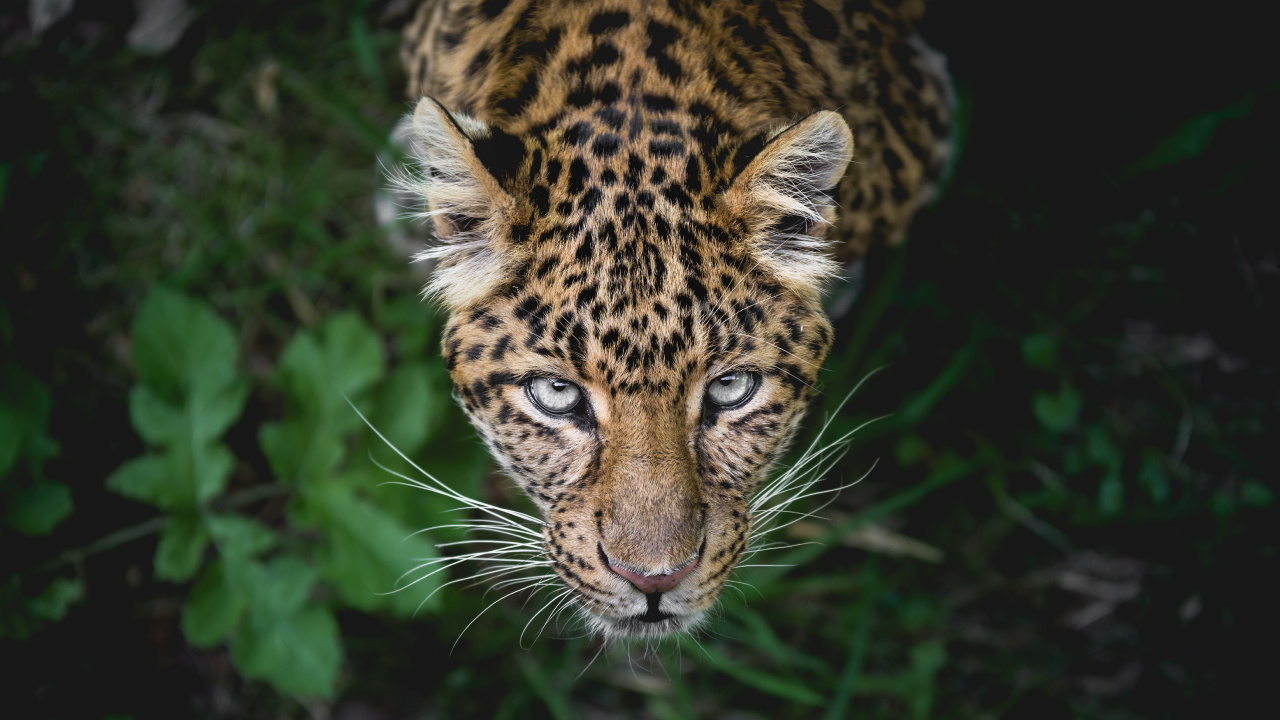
(635, 330)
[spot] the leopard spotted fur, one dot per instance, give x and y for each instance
(634, 202)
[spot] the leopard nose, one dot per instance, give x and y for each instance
(649, 584)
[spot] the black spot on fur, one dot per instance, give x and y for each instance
(659, 103)
(606, 21)
(501, 154)
(612, 117)
(664, 148)
(577, 176)
(606, 145)
(577, 134)
(493, 8)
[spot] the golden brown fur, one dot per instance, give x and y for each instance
(635, 199)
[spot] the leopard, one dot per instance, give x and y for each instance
(636, 211)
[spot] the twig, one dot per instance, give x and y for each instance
(156, 524)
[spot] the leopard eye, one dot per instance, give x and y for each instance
(554, 396)
(731, 389)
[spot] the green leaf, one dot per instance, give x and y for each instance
(1192, 138)
(1152, 476)
(39, 509)
(237, 536)
(299, 447)
(180, 347)
(1040, 351)
(150, 479)
(1058, 412)
(298, 652)
(413, 322)
(365, 551)
(343, 357)
(409, 406)
(212, 466)
(24, 413)
(175, 480)
(1101, 449)
(1111, 495)
(203, 418)
(53, 603)
(278, 587)
(158, 422)
(1254, 494)
(911, 449)
(213, 608)
(181, 548)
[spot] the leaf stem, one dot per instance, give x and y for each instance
(126, 535)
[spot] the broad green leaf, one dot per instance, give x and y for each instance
(1254, 494)
(202, 418)
(1111, 494)
(365, 551)
(180, 347)
(1040, 351)
(299, 447)
(343, 357)
(213, 608)
(413, 323)
(150, 479)
(214, 412)
(1192, 139)
(1151, 475)
(38, 510)
(158, 422)
(181, 548)
(237, 536)
(911, 449)
(1101, 449)
(299, 652)
(53, 603)
(408, 407)
(1058, 412)
(212, 466)
(24, 412)
(278, 587)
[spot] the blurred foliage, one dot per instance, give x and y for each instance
(1073, 511)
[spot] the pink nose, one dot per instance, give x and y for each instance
(649, 584)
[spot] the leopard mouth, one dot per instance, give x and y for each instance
(653, 614)
(653, 623)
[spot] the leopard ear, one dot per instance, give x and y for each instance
(783, 198)
(461, 165)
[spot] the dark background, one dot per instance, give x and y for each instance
(1074, 510)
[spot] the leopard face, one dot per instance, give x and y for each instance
(632, 270)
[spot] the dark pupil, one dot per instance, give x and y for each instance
(559, 385)
(728, 380)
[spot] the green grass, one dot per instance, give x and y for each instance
(1076, 368)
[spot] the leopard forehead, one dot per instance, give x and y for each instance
(639, 313)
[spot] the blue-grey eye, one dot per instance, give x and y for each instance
(731, 388)
(554, 395)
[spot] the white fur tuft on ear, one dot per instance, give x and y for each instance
(469, 209)
(784, 198)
